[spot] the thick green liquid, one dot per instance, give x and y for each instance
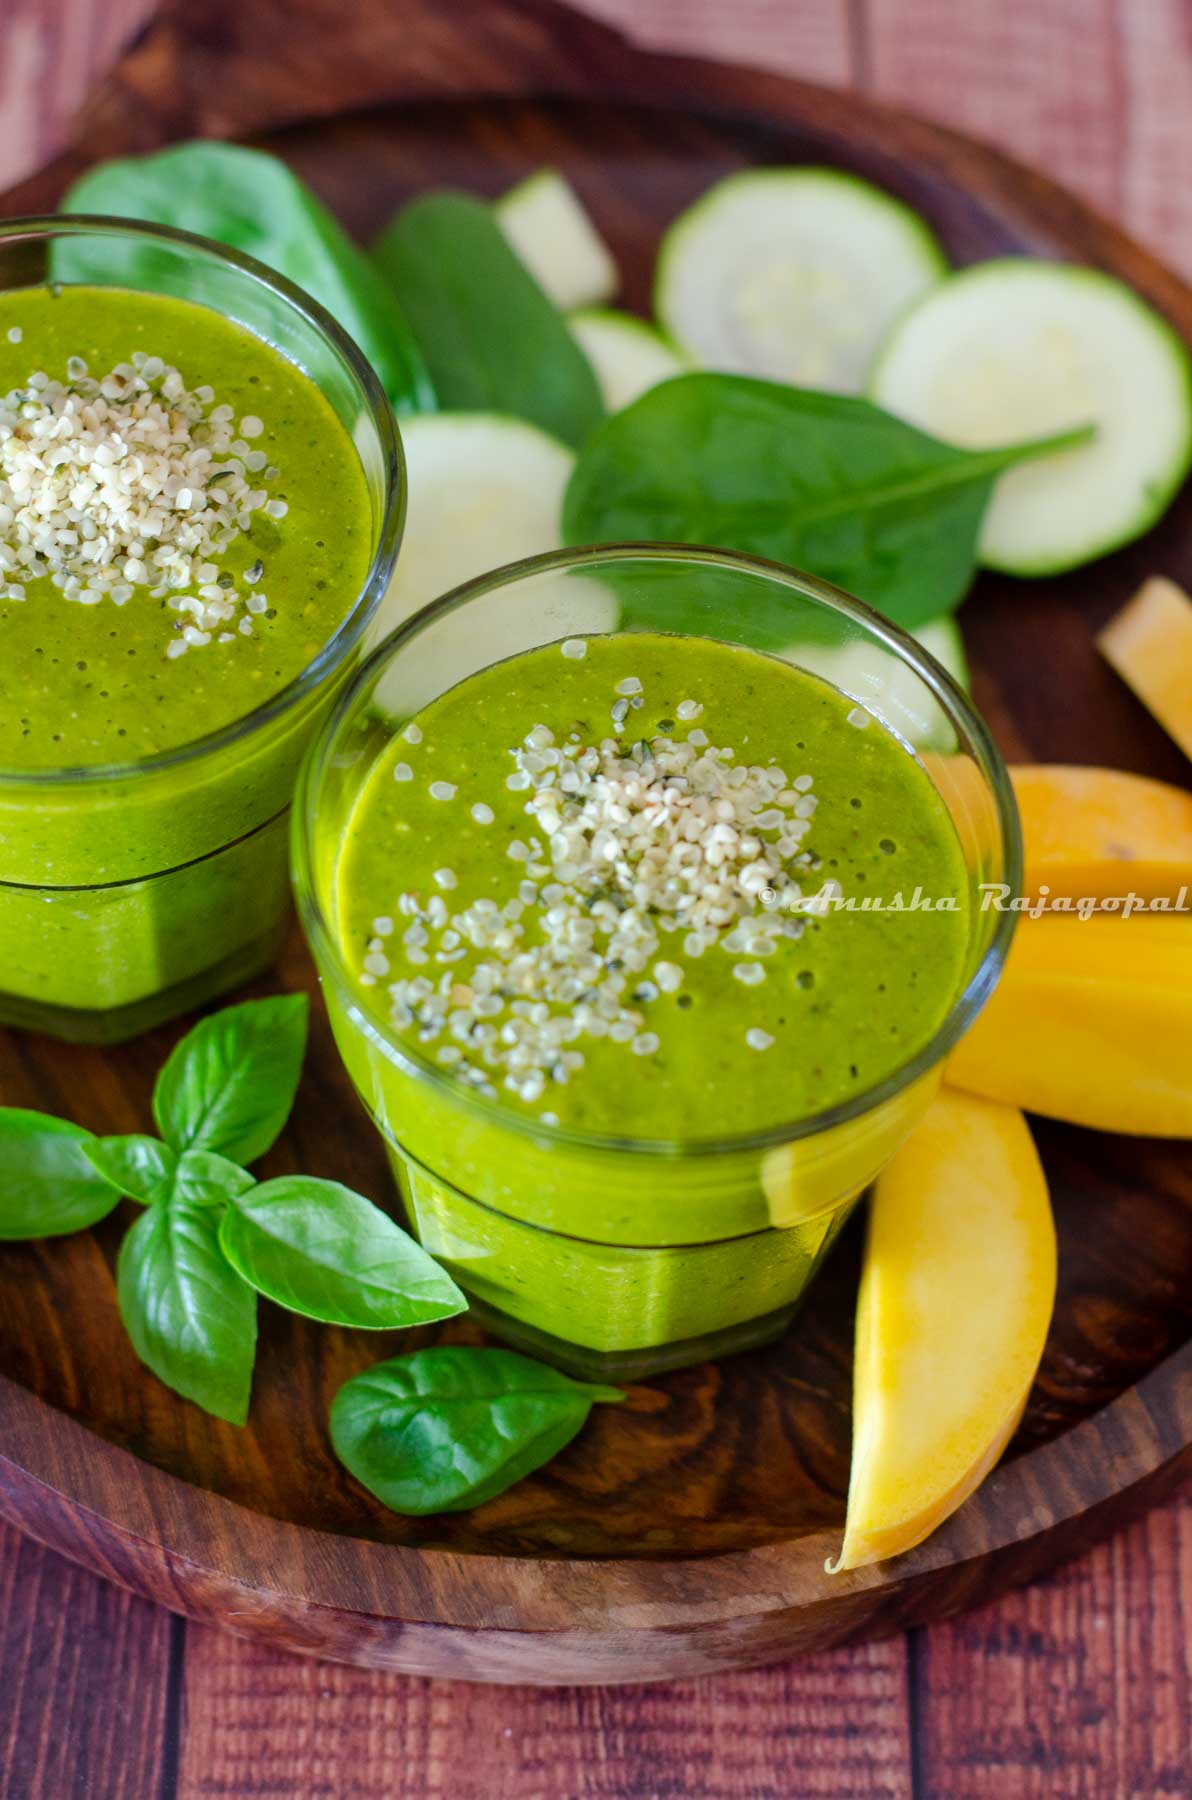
(92, 684)
(846, 1003)
(123, 900)
(612, 1260)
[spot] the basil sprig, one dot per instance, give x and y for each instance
(447, 1428)
(191, 1317)
(212, 1237)
(48, 1184)
(319, 1249)
(230, 1084)
(821, 482)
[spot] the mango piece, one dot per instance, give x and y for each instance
(1149, 643)
(1091, 1022)
(1101, 833)
(956, 1296)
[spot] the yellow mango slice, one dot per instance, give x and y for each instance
(1149, 643)
(956, 1296)
(1100, 832)
(1091, 1022)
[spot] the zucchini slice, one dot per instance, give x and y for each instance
(1013, 348)
(547, 225)
(875, 677)
(793, 274)
(483, 490)
(627, 355)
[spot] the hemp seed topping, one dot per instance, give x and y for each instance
(128, 480)
(630, 842)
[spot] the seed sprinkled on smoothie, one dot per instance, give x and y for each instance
(124, 480)
(643, 839)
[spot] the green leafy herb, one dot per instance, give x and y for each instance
(447, 1428)
(210, 1180)
(492, 340)
(191, 1266)
(229, 1084)
(191, 1318)
(253, 203)
(320, 1249)
(142, 1168)
(821, 482)
(48, 1185)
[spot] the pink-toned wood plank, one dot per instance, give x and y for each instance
(1079, 1686)
(833, 1728)
(811, 38)
(1043, 81)
(83, 1681)
(1156, 56)
(52, 53)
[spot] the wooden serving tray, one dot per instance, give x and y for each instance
(686, 1531)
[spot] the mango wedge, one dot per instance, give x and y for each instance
(1092, 1023)
(1099, 832)
(956, 1297)
(1149, 643)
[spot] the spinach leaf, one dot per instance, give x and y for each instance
(228, 1086)
(321, 1250)
(447, 1428)
(142, 1168)
(48, 1184)
(252, 202)
(821, 482)
(192, 1320)
(492, 340)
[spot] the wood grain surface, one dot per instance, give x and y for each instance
(1077, 1686)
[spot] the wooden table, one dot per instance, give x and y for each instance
(1079, 1686)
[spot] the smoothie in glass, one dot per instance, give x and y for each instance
(188, 553)
(633, 1058)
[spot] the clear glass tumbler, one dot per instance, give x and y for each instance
(616, 1258)
(134, 891)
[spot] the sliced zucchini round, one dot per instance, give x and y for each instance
(548, 227)
(627, 356)
(793, 274)
(484, 490)
(1015, 349)
(888, 687)
(941, 637)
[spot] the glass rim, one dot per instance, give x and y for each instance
(389, 529)
(956, 706)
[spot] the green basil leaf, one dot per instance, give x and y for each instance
(229, 1084)
(210, 1180)
(192, 1320)
(822, 482)
(321, 1250)
(492, 340)
(447, 1428)
(141, 1167)
(252, 202)
(48, 1184)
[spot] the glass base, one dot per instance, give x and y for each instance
(113, 1025)
(631, 1365)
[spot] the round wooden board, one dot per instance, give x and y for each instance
(687, 1531)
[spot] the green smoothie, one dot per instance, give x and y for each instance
(642, 888)
(184, 523)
